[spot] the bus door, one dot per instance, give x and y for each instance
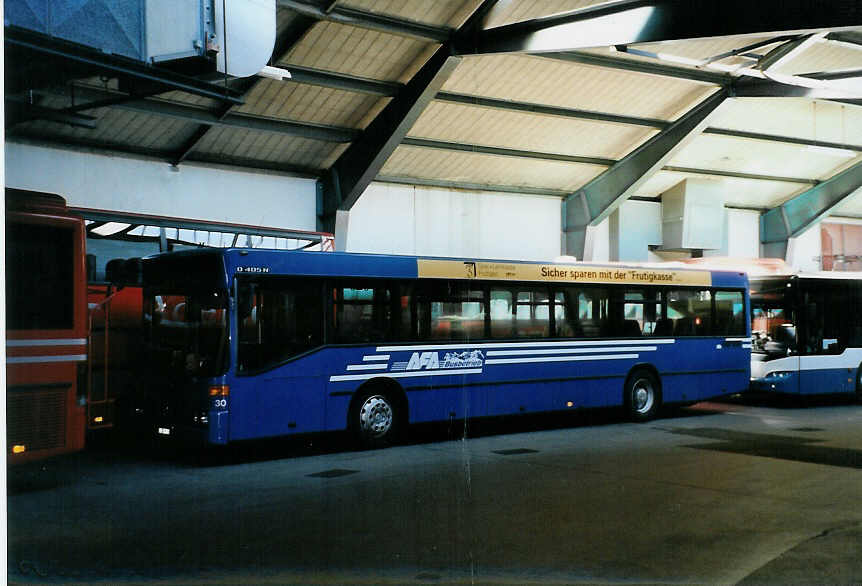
(825, 366)
(281, 388)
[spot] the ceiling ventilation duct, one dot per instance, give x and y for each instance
(230, 36)
(693, 216)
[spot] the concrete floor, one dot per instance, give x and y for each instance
(736, 492)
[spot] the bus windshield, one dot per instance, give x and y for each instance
(187, 332)
(773, 325)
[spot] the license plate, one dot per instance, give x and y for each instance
(164, 431)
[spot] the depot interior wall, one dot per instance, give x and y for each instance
(136, 185)
(404, 219)
(803, 252)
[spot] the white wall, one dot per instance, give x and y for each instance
(198, 192)
(403, 219)
(803, 252)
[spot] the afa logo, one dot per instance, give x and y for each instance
(432, 361)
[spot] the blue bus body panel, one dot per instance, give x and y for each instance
(313, 392)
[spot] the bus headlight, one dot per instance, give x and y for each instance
(778, 375)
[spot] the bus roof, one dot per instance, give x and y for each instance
(282, 262)
(832, 275)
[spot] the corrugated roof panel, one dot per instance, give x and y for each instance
(426, 163)
(533, 132)
(824, 56)
(355, 51)
(120, 128)
(447, 13)
(542, 80)
(737, 192)
(798, 118)
(309, 103)
(510, 12)
(724, 153)
(268, 147)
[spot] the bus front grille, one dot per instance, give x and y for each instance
(36, 418)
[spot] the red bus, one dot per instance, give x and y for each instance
(46, 327)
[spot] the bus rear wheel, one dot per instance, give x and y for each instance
(642, 395)
(375, 419)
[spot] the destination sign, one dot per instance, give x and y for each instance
(499, 271)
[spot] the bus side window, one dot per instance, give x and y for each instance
(593, 305)
(729, 313)
(565, 319)
(451, 310)
(285, 318)
(502, 310)
(362, 312)
(532, 313)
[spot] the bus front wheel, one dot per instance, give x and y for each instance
(375, 419)
(642, 395)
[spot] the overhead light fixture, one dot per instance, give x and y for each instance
(836, 152)
(276, 73)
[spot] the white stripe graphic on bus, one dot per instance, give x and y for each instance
(571, 351)
(41, 359)
(378, 357)
(560, 358)
(456, 371)
(367, 366)
(444, 346)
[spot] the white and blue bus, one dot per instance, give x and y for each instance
(807, 333)
(247, 344)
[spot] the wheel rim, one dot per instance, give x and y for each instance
(375, 416)
(643, 395)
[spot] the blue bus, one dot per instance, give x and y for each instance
(246, 344)
(807, 333)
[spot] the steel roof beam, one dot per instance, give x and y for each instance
(341, 81)
(645, 21)
(548, 110)
(782, 139)
(587, 207)
(637, 66)
(739, 175)
(370, 20)
(19, 112)
(506, 152)
(792, 218)
(470, 186)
